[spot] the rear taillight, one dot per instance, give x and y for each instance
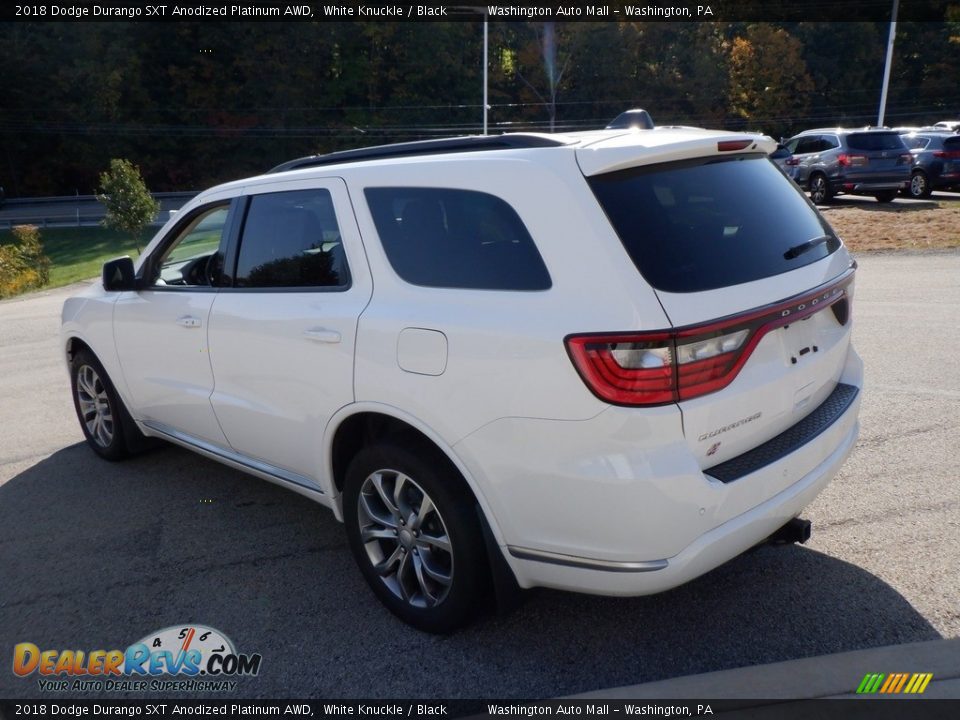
(906, 159)
(948, 154)
(792, 162)
(852, 160)
(666, 366)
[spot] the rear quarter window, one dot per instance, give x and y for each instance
(437, 237)
(710, 223)
(875, 141)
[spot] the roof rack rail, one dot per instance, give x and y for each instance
(470, 143)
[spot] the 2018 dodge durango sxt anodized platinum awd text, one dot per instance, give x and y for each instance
(604, 362)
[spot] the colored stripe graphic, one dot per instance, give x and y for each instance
(894, 683)
(870, 683)
(903, 679)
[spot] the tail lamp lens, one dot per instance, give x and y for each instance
(662, 367)
(852, 160)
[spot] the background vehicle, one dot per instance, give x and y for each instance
(831, 161)
(401, 334)
(936, 162)
(949, 125)
(782, 156)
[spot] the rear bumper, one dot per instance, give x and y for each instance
(865, 187)
(617, 505)
(707, 552)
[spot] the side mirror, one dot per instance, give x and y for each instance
(118, 275)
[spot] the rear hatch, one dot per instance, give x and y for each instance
(876, 157)
(756, 285)
(950, 155)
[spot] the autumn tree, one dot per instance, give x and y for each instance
(769, 82)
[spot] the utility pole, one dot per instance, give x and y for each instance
(886, 67)
(486, 19)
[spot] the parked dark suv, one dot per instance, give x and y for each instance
(936, 161)
(831, 161)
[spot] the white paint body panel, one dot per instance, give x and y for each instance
(283, 361)
(485, 375)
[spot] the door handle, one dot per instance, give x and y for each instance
(322, 335)
(189, 321)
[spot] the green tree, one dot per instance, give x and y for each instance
(130, 207)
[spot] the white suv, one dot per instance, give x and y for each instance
(605, 362)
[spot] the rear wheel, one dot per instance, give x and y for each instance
(100, 411)
(415, 534)
(819, 189)
(919, 185)
(885, 196)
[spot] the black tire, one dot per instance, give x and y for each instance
(95, 398)
(411, 554)
(820, 191)
(885, 196)
(919, 186)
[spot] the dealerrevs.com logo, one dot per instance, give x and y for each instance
(181, 657)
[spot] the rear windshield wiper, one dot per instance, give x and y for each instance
(798, 250)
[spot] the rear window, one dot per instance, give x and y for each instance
(705, 224)
(916, 143)
(952, 144)
(445, 238)
(875, 141)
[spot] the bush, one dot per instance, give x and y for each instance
(23, 264)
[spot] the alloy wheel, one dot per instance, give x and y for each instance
(918, 185)
(405, 538)
(95, 406)
(818, 190)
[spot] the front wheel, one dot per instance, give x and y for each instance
(885, 196)
(98, 407)
(415, 534)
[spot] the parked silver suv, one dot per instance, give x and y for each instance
(832, 161)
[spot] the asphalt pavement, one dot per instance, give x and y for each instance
(95, 555)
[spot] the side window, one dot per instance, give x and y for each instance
(792, 144)
(916, 143)
(808, 145)
(829, 142)
(194, 258)
(291, 239)
(456, 239)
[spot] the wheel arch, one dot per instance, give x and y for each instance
(357, 425)
(75, 344)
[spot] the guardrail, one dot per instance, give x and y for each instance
(6, 223)
(34, 211)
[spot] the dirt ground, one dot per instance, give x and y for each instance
(908, 225)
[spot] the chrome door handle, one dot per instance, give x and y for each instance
(189, 321)
(322, 335)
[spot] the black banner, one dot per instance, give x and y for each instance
(571, 11)
(854, 708)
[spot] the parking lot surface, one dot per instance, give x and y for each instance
(96, 555)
